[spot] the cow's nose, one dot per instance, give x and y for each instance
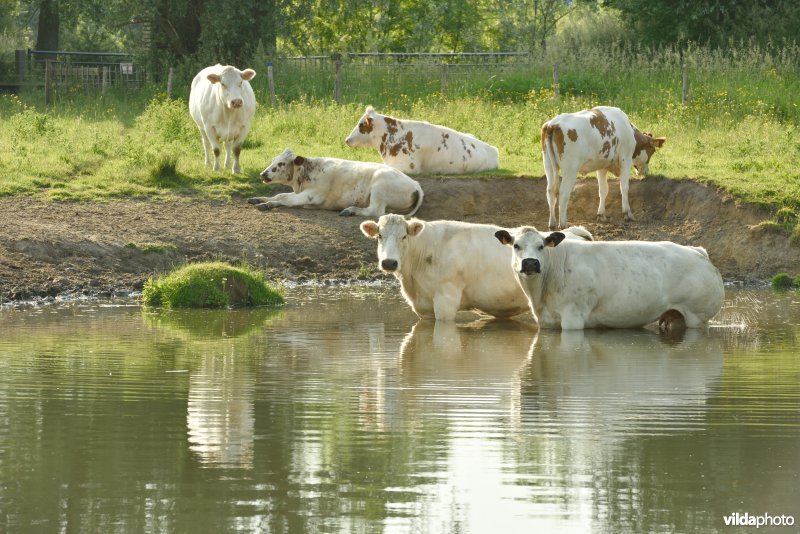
(530, 265)
(389, 265)
(236, 103)
(265, 177)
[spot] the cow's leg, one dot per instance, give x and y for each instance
(572, 320)
(206, 147)
(216, 147)
(565, 189)
(237, 149)
(381, 190)
(288, 199)
(602, 186)
(552, 190)
(446, 302)
(624, 184)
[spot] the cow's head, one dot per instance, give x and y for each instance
(646, 145)
(230, 80)
(364, 133)
(529, 248)
(392, 232)
(287, 168)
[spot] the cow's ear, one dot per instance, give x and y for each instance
(248, 74)
(554, 239)
(370, 229)
(299, 160)
(658, 142)
(213, 78)
(504, 237)
(370, 111)
(415, 227)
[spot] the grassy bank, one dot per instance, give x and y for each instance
(738, 130)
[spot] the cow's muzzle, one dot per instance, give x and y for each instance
(235, 103)
(265, 177)
(530, 266)
(389, 265)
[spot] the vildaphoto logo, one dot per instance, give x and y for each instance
(764, 520)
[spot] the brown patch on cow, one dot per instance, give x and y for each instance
(409, 137)
(366, 126)
(554, 134)
(391, 125)
(395, 149)
(644, 142)
(411, 165)
(383, 144)
(573, 135)
(600, 122)
(606, 150)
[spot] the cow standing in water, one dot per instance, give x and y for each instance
(447, 266)
(601, 139)
(613, 284)
(420, 147)
(222, 104)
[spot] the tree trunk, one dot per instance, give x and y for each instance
(49, 22)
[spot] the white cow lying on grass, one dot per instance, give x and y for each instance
(222, 105)
(447, 266)
(614, 284)
(601, 139)
(417, 147)
(355, 187)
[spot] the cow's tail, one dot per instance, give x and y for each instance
(549, 156)
(416, 199)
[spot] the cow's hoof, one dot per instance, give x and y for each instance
(254, 200)
(601, 217)
(628, 217)
(264, 206)
(346, 213)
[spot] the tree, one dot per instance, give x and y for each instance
(47, 34)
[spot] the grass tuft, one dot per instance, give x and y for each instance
(782, 282)
(211, 285)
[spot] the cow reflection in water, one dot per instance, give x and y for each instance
(220, 417)
(610, 379)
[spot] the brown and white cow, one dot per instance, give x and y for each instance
(420, 147)
(222, 104)
(600, 139)
(354, 187)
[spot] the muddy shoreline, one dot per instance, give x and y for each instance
(51, 250)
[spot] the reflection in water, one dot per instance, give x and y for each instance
(220, 417)
(344, 414)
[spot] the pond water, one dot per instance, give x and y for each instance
(341, 413)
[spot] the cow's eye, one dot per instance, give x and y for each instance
(541, 247)
(516, 247)
(405, 236)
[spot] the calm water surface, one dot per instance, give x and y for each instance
(341, 413)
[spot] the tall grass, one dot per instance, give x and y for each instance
(737, 131)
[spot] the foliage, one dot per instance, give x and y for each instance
(782, 281)
(211, 285)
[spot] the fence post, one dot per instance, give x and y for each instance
(271, 83)
(444, 80)
(48, 82)
(105, 79)
(337, 83)
(685, 95)
(170, 81)
(22, 65)
(556, 81)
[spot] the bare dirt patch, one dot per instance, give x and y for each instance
(55, 248)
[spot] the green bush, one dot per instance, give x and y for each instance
(210, 285)
(783, 281)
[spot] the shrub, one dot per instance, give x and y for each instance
(783, 281)
(210, 285)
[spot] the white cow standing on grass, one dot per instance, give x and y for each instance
(613, 284)
(355, 187)
(447, 266)
(601, 139)
(420, 147)
(222, 104)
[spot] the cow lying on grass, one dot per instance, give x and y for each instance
(614, 284)
(355, 187)
(447, 266)
(601, 139)
(421, 147)
(222, 104)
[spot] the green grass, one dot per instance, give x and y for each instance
(739, 130)
(210, 285)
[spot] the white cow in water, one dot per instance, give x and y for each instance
(420, 147)
(355, 187)
(613, 284)
(447, 266)
(222, 104)
(601, 139)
